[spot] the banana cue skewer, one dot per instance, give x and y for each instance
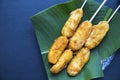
(61, 42)
(63, 60)
(86, 26)
(73, 21)
(98, 33)
(57, 48)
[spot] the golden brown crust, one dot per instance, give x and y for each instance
(62, 62)
(98, 33)
(57, 48)
(78, 62)
(72, 23)
(80, 36)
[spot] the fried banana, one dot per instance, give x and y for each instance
(78, 62)
(80, 36)
(72, 23)
(98, 33)
(62, 62)
(57, 48)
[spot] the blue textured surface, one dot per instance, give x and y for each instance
(20, 57)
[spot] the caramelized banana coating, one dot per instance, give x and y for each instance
(78, 62)
(98, 33)
(72, 23)
(80, 36)
(57, 48)
(62, 62)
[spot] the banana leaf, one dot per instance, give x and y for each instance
(48, 24)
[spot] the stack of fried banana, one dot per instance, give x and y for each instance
(75, 39)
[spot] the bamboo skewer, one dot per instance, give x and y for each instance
(97, 10)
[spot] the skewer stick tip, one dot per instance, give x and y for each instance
(114, 13)
(83, 4)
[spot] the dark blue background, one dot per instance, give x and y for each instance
(20, 57)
